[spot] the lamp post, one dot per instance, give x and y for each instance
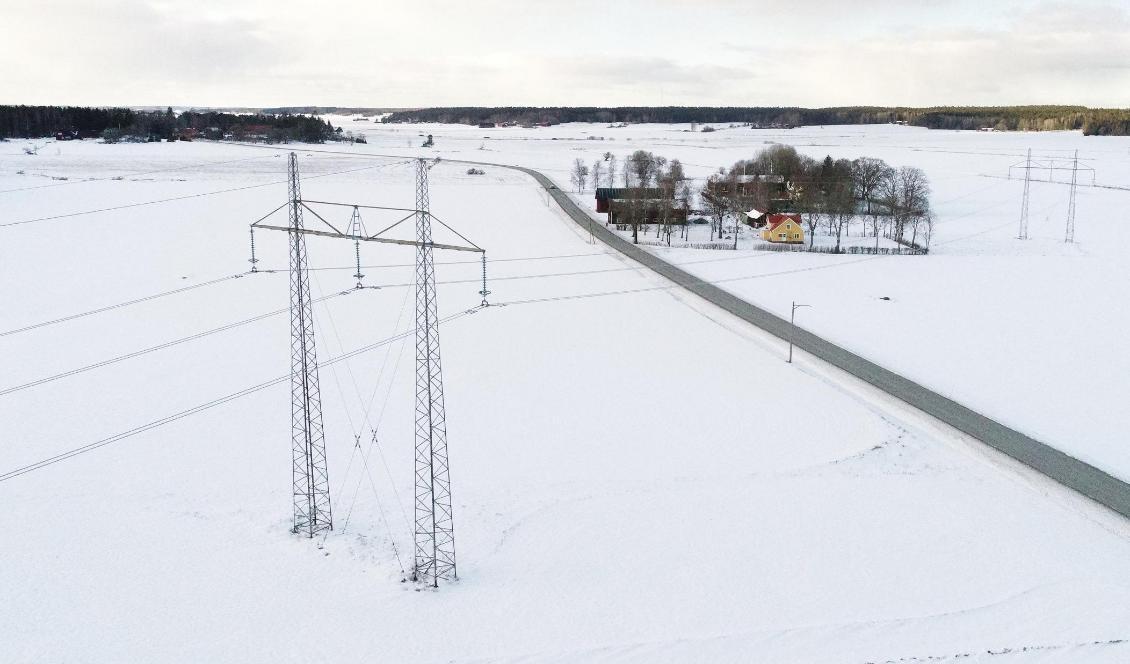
(792, 322)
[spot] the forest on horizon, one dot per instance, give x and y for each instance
(43, 121)
(1092, 121)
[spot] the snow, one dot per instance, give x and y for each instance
(1027, 332)
(637, 476)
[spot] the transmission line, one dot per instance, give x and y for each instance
(144, 351)
(119, 305)
(134, 174)
(577, 296)
(82, 449)
(185, 197)
(213, 282)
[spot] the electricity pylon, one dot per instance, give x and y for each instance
(1051, 165)
(312, 513)
(1023, 232)
(434, 539)
(434, 530)
(1069, 236)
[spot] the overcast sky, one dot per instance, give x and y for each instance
(568, 52)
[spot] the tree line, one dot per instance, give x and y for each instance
(830, 194)
(125, 124)
(41, 121)
(1092, 121)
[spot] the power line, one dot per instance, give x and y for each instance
(82, 449)
(216, 402)
(134, 174)
(162, 346)
(649, 289)
(470, 262)
(259, 317)
(213, 282)
(185, 197)
(119, 305)
(253, 319)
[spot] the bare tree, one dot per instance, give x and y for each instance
(867, 174)
(657, 170)
(579, 175)
(611, 159)
(921, 222)
(735, 202)
(597, 172)
(885, 196)
(810, 201)
(714, 206)
(828, 196)
(642, 164)
(912, 199)
(812, 221)
(637, 210)
(840, 211)
(680, 192)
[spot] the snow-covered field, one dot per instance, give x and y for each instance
(1029, 332)
(637, 476)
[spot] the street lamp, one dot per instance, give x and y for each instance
(792, 322)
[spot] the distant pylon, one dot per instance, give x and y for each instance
(434, 533)
(1023, 233)
(1070, 235)
(312, 512)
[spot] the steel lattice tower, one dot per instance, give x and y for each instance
(312, 512)
(1023, 233)
(1070, 234)
(434, 533)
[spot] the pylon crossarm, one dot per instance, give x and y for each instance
(386, 240)
(264, 217)
(320, 217)
(461, 237)
(363, 207)
(389, 228)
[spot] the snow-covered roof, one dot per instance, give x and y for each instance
(754, 213)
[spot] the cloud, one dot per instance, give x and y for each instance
(496, 52)
(144, 50)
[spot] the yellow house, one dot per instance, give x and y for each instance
(783, 228)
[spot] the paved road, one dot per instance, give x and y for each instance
(1068, 471)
